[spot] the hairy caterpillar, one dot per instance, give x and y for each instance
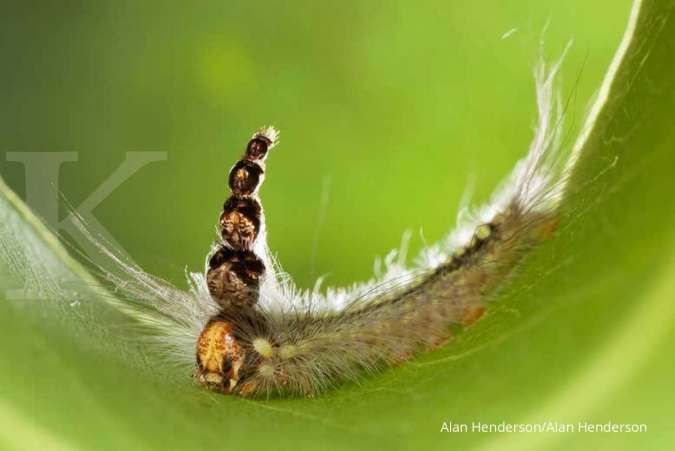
(245, 329)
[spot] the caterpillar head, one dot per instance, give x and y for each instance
(220, 357)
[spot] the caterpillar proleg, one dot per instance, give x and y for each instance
(244, 328)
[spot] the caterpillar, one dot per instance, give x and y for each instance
(243, 328)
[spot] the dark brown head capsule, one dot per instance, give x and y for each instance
(233, 277)
(240, 221)
(257, 147)
(245, 177)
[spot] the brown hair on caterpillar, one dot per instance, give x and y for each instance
(244, 328)
(249, 350)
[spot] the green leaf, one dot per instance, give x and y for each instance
(583, 333)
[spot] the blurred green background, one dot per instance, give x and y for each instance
(392, 107)
(396, 107)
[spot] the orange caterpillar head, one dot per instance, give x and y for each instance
(220, 357)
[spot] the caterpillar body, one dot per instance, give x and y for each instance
(245, 329)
